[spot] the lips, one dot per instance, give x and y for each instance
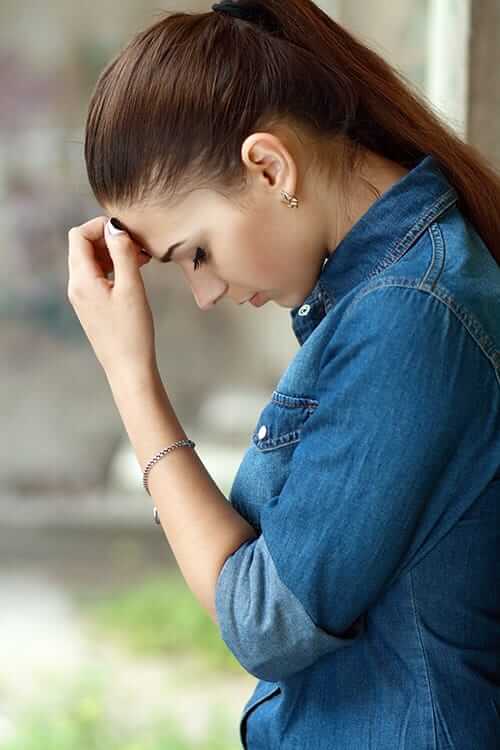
(259, 299)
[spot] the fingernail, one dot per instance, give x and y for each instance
(114, 227)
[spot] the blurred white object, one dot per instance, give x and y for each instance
(226, 421)
(448, 60)
(232, 413)
(7, 729)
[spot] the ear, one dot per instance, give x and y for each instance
(267, 158)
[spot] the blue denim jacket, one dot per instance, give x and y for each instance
(369, 604)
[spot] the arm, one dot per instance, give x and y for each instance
(201, 526)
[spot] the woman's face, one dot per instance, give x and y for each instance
(236, 250)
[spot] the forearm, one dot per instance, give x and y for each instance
(201, 526)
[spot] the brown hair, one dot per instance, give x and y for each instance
(170, 112)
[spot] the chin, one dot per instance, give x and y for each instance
(286, 305)
(290, 303)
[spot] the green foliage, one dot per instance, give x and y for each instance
(161, 617)
(77, 721)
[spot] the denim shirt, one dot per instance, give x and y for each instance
(369, 605)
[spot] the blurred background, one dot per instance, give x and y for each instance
(102, 645)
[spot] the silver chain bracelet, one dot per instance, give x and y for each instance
(154, 460)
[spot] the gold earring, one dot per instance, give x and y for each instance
(290, 200)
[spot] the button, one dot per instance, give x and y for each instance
(262, 432)
(304, 310)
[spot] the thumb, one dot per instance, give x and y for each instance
(123, 251)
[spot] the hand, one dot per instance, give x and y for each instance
(115, 315)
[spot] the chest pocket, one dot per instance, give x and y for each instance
(266, 463)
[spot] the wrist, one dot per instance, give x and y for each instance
(135, 381)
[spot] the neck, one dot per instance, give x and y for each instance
(373, 170)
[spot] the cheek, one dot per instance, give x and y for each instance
(255, 253)
(275, 241)
(272, 257)
(255, 263)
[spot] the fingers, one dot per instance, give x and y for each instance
(89, 254)
(93, 230)
(82, 261)
(124, 254)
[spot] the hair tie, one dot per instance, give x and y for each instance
(248, 11)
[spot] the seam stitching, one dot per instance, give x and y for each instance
(442, 204)
(285, 400)
(424, 655)
(438, 254)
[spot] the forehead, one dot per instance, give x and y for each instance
(180, 213)
(163, 229)
(159, 230)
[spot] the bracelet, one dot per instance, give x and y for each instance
(154, 460)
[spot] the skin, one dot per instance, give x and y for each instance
(255, 242)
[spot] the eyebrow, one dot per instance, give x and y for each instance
(168, 255)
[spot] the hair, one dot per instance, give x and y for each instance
(170, 112)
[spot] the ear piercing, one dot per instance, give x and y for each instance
(291, 200)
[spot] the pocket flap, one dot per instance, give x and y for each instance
(281, 421)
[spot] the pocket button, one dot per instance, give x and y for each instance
(262, 432)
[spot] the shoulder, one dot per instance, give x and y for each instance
(404, 329)
(387, 309)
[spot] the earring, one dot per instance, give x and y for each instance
(290, 200)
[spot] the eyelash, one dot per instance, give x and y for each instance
(197, 260)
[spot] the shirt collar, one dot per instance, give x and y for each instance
(380, 237)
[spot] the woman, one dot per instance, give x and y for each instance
(355, 569)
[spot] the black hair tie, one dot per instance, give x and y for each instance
(248, 11)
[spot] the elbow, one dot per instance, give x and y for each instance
(259, 660)
(273, 653)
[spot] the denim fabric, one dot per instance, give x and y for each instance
(369, 605)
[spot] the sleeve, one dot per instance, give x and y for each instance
(263, 623)
(398, 390)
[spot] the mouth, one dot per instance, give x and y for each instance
(259, 299)
(243, 302)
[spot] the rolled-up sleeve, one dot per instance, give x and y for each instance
(401, 382)
(262, 622)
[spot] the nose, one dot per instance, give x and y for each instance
(206, 306)
(206, 287)
(208, 301)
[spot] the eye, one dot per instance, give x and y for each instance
(199, 258)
